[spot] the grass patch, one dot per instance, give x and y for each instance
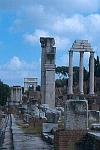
(32, 130)
(29, 129)
(61, 123)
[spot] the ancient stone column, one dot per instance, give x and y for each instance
(81, 73)
(91, 85)
(16, 94)
(48, 71)
(42, 71)
(70, 79)
(21, 94)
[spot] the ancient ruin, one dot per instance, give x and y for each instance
(48, 71)
(28, 82)
(16, 95)
(76, 115)
(81, 46)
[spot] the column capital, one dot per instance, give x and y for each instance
(47, 42)
(92, 54)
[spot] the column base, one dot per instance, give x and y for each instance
(81, 93)
(92, 94)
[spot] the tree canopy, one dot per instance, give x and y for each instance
(4, 93)
(97, 67)
(62, 72)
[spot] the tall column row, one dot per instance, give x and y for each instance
(81, 73)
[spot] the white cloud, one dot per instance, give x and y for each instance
(15, 70)
(68, 6)
(15, 63)
(33, 38)
(61, 43)
(65, 20)
(72, 24)
(68, 29)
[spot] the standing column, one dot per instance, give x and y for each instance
(16, 95)
(91, 85)
(81, 73)
(43, 78)
(70, 79)
(48, 71)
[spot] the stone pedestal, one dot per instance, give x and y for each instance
(50, 85)
(76, 115)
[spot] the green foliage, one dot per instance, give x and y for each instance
(63, 75)
(75, 74)
(38, 88)
(86, 75)
(61, 82)
(97, 67)
(4, 93)
(62, 71)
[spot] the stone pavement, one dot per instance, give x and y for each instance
(22, 141)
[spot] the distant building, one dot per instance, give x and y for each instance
(30, 82)
(16, 95)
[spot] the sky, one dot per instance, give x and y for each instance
(23, 22)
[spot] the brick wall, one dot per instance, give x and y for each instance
(69, 140)
(75, 140)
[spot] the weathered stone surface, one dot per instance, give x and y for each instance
(81, 46)
(93, 117)
(42, 114)
(52, 117)
(16, 139)
(76, 115)
(48, 71)
(47, 127)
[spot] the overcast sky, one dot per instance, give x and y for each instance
(22, 22)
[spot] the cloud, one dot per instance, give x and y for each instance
(73, 24)
(16, 70)
(65, 20)
(55, 7)
(33, 38)
(61, 43)
(45, 14)
(67, 6)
